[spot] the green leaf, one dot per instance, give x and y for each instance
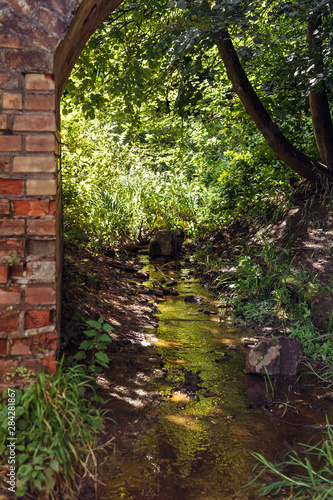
(93, 324)
(107, 327)
(102, 358)
(105, 338)
(80, 355)
(86, 344)
(90, 333)
(54, 464)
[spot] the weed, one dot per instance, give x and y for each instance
(98, 340)
(313, 481)
(57, 431)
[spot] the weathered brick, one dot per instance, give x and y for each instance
(42, 271)
(4, 164)
(11, 186)
(39, 82)
(37, 318)
(20, 347)
(12, 246)
(12, 21)
(33, 208)
(12, 100)
(9, 322)
(34, 164)
(10, 80)
(40, 143)
(40, 187)
(40, 295)
(40, 102)
(11, 227)
(6, 366)
(26, 7)
(4, 207)
(4, 272)
(3, 347)
(44, 342)
(41, 249)
(52, 207)
(10, 142)
(34, 123)
(50, 362)
(64, 7)
(12, 41)
(16, 270)
(27, 60)
(3, 122)
(10, 295)
(53, 22)
(42, 227)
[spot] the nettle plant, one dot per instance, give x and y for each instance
(97, 342)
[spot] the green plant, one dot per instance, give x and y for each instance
(57, 429)
(269, 385)
(19, 372)
(98, 340)
(314, 465)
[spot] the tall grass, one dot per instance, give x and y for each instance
(57, 429)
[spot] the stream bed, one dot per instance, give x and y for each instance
(195, 441)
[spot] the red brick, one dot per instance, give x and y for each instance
(52, 208)
(9, 323)
(10, 295)
(4, 271)
(40, 102)
(3, 122)
(27, 60)
(42, 227)
(10, 80)
(40, 143)
(51, 363)
(4, 164)
(34, 164)
(12, 247)
(13, 21)
(10, 142)
(3, 347)
(39, 82)
(20, 347)
(11, 186)
(6, 365)
(11, 226)
(34, 123)
(32, 364)
(26, 7)
(12, 100)
(33, 208)
(12, 41)
(62, 6)
(40, 187)
(47, 18)
(16, 270)
(42, 249)
(44, 342)
(40, 295)
(4, 207)
(37, 318)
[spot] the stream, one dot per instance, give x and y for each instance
(208, 416)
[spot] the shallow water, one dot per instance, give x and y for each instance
(197, 444)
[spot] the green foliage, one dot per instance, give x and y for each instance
(57, 433)
(97, 341)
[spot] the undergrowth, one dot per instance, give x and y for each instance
(57, 431)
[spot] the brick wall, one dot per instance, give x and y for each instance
(39, 44)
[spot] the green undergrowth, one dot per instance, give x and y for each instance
(58, 424)
(118, 184)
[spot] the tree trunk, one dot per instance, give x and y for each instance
(319, 107)
(293, 157)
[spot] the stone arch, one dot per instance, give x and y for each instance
(39, 45)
